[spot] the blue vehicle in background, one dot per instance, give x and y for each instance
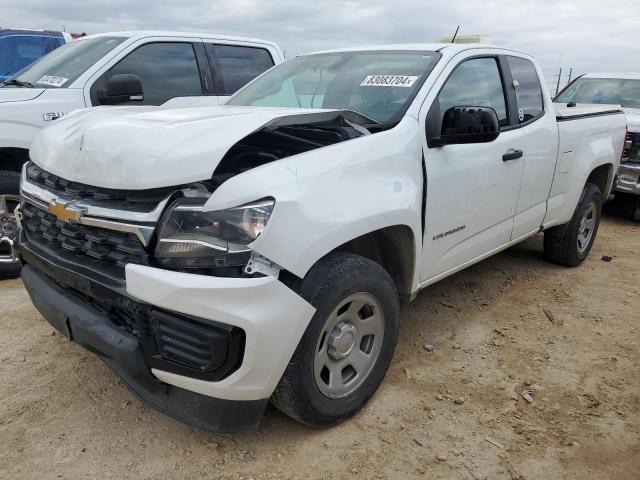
(20, 48)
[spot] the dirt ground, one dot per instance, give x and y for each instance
(569, 339)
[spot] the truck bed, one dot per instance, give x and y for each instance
(564, 112)
(587, 135)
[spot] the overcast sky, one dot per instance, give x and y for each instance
(588, 35)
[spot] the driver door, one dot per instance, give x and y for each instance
(472, 189)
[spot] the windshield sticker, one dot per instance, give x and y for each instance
(52, 80)
(389, 81)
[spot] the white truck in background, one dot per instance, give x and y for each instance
(120, 68)
(622, 89)
(217, 258)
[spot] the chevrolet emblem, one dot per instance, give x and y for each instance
(65, 213)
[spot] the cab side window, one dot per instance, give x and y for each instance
(475, 83)
(167, 70)
(235, 66)
(528, 90)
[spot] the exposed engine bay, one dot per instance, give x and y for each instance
(290, 136)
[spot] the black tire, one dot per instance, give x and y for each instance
(561, 242)
(636, 209)
(9, 185)
(329, 282)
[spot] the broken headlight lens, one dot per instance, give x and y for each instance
(189, 237)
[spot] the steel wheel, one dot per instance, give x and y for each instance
(587, 227)
(349, 345)
(8, 227)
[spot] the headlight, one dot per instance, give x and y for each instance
(188, 237)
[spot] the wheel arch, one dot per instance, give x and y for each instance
(392, 247)
(602, 177)
(13, 158)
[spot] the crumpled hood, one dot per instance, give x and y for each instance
(11, 94)
(633, 119)
(148, 147)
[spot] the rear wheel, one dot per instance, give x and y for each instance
(9, 200)
(571, 243)
(347, 348)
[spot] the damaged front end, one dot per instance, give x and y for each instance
(157, 285)
(169, 227)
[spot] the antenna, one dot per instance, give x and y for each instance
(558, 84)
(453, 40)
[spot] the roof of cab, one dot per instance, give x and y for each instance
(618, 76)
(450, 49)
(40, 33)
(161, 33)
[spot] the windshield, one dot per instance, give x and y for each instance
(602, 90)
(377, 84)
(61, 67)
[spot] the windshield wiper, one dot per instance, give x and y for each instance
(14, 82)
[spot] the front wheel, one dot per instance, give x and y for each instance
(347, 348)
(570, 244)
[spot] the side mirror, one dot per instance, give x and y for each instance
(122, 88)
(467, 125)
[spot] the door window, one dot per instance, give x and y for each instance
(167, 70)
(236, 66)
(528, 90)
(475, 83)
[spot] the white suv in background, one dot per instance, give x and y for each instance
(120, 68)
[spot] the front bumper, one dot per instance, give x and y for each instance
(272, 317)
(629, 178)
(121, 351)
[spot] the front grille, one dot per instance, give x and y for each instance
(106, 251)
(634, 148)
(138, 200)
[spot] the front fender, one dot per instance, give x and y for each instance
(329, 196)
(21, 121)
(16, 134)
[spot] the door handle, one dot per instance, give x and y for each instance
(512, 154)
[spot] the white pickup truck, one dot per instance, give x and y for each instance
(622, 89)
(217, 258)
(119, 68)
